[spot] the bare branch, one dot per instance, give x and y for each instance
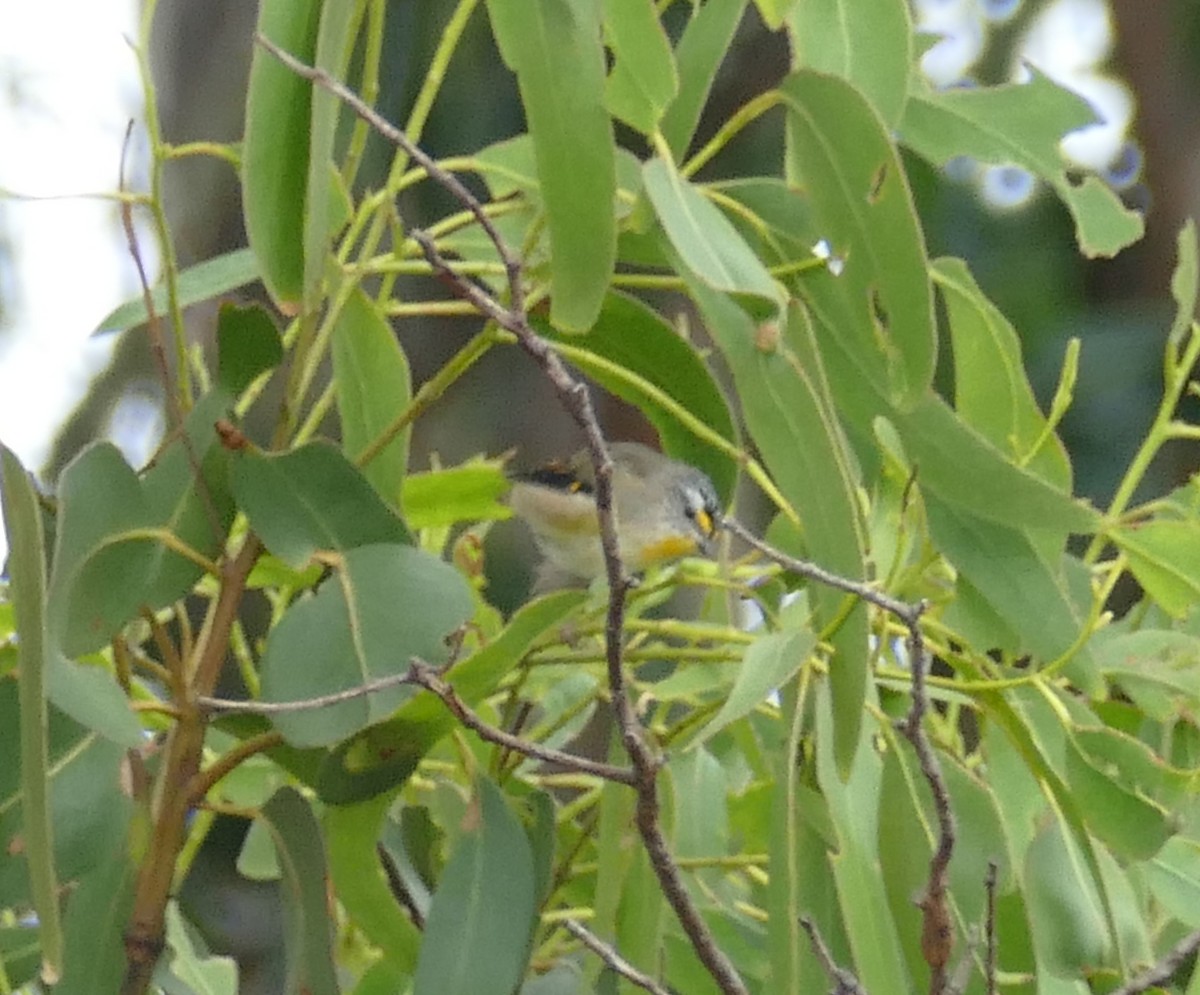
(423, 675)
(230, 705)
(1165, 969)
(614, 960)
(903, 610)
(989, 928)
(844, 982)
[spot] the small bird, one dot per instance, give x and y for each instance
(664, 509)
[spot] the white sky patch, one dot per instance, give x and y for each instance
(68, 86)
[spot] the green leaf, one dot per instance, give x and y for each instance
(335, 41)
(880, 302)
(194, 968)
(1165, 558)
(308, 931)
(479, 923)
(88, 810)
(1134, 827)
(1185, 283)
(1031, 596)
(854, 808)
(385, 605)
(868, 43)
(275, 150)
(699, 54)
(991, 391)
(634, 353)
(1173, 875)
(26, 570)
(373, 386)
(197, 283)
(311, 499)
(769, 663)
(965, 470)
(387, 754)
(187, 494)
(1066, 915)
(248, 345)
(643, 81)
(1023, 125)
(707, 243)
(88, 693)
(97, 581)
(554, 48)
(1159, 670)
(353, 832)
(97, 917)
(20, 954)
(789, 414)
(467, 493)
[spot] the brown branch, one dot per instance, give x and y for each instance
(574, 397)
(1165, 969)
(989, 929)
(144, 936)
(907, 613)
(233, 705)
(614, 960)
(423, 674)
(208, 778)
(844, 982)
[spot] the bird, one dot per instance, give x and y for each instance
(664, 509)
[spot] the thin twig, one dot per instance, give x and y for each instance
(614, 960)
(845, 983)
(989, 928)
(575, 399)
(424, 675)
(1165, 969)
(229, 706)
(937, 933)
(906, 612)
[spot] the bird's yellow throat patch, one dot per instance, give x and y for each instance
(670, 548)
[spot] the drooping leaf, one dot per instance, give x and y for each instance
(770, 661)
(197, 283)
(1185, 283)
(1164, 556)
(701, 49)
(308, 931)
(554, 47)
(477, 931)
(88, 810)
(789, 414)
(854, 809)
(706, 242)
(991, 389)
(331, 54)
(275, 150)
(1023, 125)
(868, 44)
(373, 386)
(643, 81)
(880, 302)
(384, 605)
(358, 879)
(97, 917)
(26, 569)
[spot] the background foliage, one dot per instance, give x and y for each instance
(407, 851)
